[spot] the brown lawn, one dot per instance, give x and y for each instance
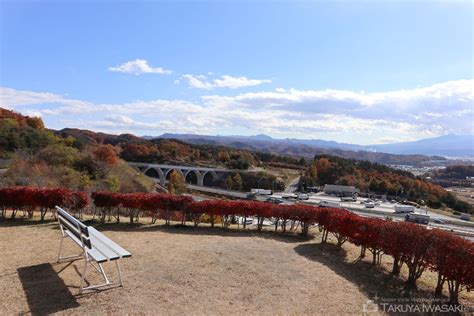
(176, 270)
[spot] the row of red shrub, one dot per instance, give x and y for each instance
(131, 204)
(410, 244)
(29, 199)
(415, 246)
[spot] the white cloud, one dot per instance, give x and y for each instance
(441, 108)
(225, 81)
(198, 82)
(332, 114)
(139, 66)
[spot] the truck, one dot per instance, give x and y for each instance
(406, 202)
(289, 196)
(418, 218)
(261, 191)
(400, 209)
(329, 204)
(348, 199)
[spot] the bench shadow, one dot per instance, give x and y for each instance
(268, 233)
(21, 221)
(45, 291)
(372, 280)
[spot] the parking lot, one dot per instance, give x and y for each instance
(384, 210)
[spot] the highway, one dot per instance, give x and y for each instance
(384, 210)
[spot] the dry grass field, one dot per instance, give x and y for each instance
(187, 270)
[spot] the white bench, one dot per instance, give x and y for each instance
(96, 247)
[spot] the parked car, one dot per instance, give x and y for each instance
(251, 196)
(303, 196)
(329, 204)
(261, 191)
(247, 220)
(275, 200)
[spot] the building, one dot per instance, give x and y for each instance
(340, 190)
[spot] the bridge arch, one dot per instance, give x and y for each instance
(156, 173)
(208, 177)
(193, 177)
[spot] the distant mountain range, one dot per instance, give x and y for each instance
(452, 146)
(449, 146)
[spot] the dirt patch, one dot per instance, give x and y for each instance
(176, 270)
(172, 271)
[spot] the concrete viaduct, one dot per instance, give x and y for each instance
(162, 172)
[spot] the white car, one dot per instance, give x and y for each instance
(303, 196)
(369, 205)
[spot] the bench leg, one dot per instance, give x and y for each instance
(103, 274)
(119, 272)
(101, 270)
(60, 247)
(81, 255)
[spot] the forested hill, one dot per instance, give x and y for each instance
(172, 151)
(379, 179)
(36, 156)
(457, 175)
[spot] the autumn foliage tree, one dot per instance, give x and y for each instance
(176, 183)
(106, 154)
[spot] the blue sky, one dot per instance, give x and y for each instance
(353, 71)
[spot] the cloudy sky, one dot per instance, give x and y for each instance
(358, 72)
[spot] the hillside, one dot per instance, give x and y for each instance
(172, 151)
(18, 132)
(379, 179)
(456, 175)
(39, 157)
(309, 148)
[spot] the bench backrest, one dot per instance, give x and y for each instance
(74, 226)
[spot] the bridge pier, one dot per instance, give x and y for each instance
(200, 178)
(163, 171)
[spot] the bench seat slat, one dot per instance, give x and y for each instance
(94, 253)
(103, 243)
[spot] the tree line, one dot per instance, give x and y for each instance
(379, 179)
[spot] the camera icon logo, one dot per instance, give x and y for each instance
(370, 307)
